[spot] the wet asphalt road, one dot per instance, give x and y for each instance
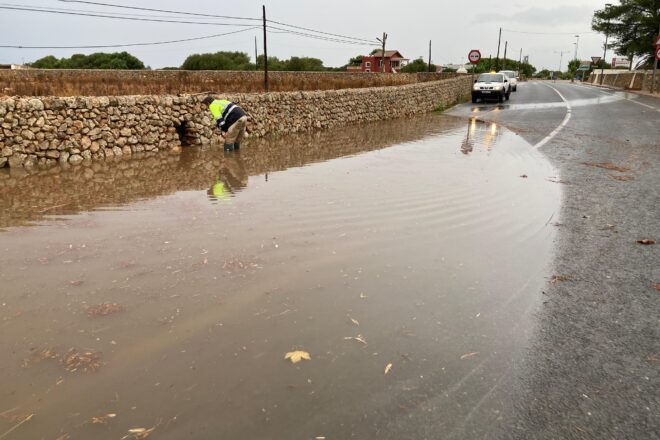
(591, 371)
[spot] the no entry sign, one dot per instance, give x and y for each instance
(474, 56)
(657, 53)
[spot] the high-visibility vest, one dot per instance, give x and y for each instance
(217, 107)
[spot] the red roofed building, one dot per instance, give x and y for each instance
(394, 61)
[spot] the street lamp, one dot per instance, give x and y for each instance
(577, 42)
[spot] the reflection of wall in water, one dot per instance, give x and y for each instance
(28, 197)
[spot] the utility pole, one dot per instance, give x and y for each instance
(382, 60)
(506, 46)
(520, 62)
(265, 52)
(577, 42)
(429, 56)
(256, 54)
(497, 60)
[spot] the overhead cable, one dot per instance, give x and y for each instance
(129, 44)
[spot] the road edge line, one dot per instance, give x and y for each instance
(555, 132)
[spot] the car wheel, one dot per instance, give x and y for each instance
(474, 100)
(507, 96)
(515, 89)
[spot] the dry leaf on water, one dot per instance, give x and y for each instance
(470, 354)
(358, 338)
(104, 309)
(388, 367)
(354, 321)
(138, 433)
(297, 356)
(646, 241)
(103, 420)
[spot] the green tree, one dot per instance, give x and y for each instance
(631, 25)
(218, 61)
(419, 65)
(99, 60)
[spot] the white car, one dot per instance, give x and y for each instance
(513, 78)
(491, 86)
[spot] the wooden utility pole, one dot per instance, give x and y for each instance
(506, 46)
(256, 54)
(265, 52)
(497, 60)
(382, 60)
(429, 55)
(655, 67)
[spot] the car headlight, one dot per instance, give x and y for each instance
(475, 87)
(498, 87)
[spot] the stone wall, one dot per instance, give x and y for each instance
(44, 131)
(50, 82)
(623, 79)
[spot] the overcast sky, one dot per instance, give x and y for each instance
(454, 27)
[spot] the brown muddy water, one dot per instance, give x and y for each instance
(164, 292)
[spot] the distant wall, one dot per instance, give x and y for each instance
(42, 131)
(623, 79)
(47, 82)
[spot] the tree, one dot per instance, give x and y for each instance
(419, 65)
(99, 60)
(631, 25)
(573, 67)
(218, 61)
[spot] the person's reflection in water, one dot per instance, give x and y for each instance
(232, 177)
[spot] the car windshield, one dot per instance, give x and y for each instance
(491, 77)
(509, 74)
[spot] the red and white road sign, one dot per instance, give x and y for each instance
(595, 60)
(656, 41)
(474, 56)
(657, 53)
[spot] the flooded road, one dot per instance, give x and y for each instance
(405, 257)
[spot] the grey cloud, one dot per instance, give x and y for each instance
(542, 16)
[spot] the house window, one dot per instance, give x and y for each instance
(367, 64)
(395, 64)
(380, 63)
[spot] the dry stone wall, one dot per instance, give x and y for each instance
(40, 132)
(55, 82)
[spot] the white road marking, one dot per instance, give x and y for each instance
(567, 118)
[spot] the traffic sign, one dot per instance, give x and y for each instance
(595, 60)
(656, 41)
(474, 56)
(657, 53)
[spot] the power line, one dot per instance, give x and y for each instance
(130, 14)
(122, 18)
(216, 16)
(548, 33)
(131, 44)
(324, 33)
(159, 10)
(319, 37)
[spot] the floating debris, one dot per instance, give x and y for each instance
(138, 433)
(297, 356)
(469, 355)
(558, 278)
(103, 420)
(388, 368)
(646, 241)
(104, 309)
(358, 338)
(83, 361)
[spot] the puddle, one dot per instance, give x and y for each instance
(419, 241)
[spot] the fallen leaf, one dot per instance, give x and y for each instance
(358, 338)
(557, 278)
(607, 166)
(524, 176)
(470, 354)
(104, 309)
(388, 368)
(646, 241)
(656, 286)
(297, 356)
(103, 420)
(354, 321)
(138, 433)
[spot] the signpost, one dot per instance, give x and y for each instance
(656, 45)
(474, 56)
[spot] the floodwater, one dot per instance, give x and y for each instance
(164, 292)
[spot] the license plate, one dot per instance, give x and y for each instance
(485, 91)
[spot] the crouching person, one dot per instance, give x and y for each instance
(230, 119)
